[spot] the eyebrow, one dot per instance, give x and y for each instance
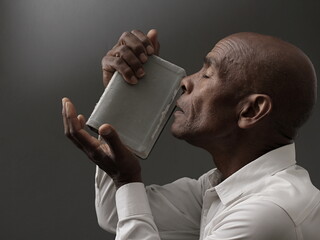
(210, 61)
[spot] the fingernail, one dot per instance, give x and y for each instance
(143, 57)
(134, 80)
(150, 50)
(140, 73)
(105, 131)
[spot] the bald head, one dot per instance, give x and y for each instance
(267, 65)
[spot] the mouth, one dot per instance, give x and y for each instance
(178, 110)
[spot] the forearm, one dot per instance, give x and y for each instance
(135, 216)
(176, 207)
(105, 203)
(131, 204)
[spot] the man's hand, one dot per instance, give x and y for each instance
(129, 54)
(110, 155)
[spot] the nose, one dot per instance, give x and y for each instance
(186, 84)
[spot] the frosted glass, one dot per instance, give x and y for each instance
(139, 112)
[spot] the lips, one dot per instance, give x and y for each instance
(178, 109)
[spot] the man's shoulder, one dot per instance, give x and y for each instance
(291, 190)
(253, 217)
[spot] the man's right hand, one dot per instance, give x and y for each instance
(129, 54)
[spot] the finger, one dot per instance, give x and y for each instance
(80, 136)
(146, 41)
(72, 119)
(68, 112)
(82, 120)
(134, 43)
(64, 116)
(153, 37)
(131, 47)
(131, 59)
(91, 146)
(106, 76)
(110, 64)
(113, 140)
(66, 123)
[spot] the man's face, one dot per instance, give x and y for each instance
(207, 108)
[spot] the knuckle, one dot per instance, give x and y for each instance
(109, 53)
(136, 65)
(69, 118)
(144, 39)
(107, 68)
(106, 58)
(123, 49)
(124, 35)
(103, 62)
(118, 61)
(137, 32)
(127, 72)
(138, 48)
(145, 42)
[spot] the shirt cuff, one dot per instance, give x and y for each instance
(131, 199)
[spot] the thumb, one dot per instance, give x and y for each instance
(110, 136)
(153, 37)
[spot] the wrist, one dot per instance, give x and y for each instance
(119, 182)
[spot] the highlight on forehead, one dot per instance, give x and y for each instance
(210, 60)
(231, 46)
(231, 56)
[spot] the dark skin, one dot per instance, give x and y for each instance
(126, 57)
(235, 117)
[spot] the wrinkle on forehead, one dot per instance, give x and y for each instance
(231, 48)
(232, 56)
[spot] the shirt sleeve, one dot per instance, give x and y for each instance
(176, 207)
(135, 216)
(105, 203)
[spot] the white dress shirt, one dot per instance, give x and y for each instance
(270, 198)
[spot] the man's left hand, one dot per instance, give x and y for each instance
(110, 155)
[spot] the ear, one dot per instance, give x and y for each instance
(253, 109)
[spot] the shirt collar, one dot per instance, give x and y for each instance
(266, 165)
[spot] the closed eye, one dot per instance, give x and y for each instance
(205, 76)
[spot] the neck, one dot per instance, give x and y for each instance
(230, 156)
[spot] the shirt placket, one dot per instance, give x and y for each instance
(210, 206)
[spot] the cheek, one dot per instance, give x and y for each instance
(201, 113)
(212, 111)
(203, 104)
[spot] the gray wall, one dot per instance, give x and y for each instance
(52, 48)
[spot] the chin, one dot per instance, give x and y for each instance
(177, 132)
(186, 134)
(181, 129)
(182, 133)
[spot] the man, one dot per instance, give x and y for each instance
(244, 107)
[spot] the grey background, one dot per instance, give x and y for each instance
(53, 48)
